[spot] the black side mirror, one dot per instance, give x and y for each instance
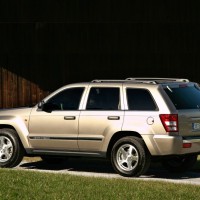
(41, 105)
(48, 107)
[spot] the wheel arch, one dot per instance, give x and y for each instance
(119, 135)
(7, 126)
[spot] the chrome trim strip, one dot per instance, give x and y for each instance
(64, 138)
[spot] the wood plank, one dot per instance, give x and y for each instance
(15, 95)
(1, 90)
(33, 94)
(16, 91)
(5, 88)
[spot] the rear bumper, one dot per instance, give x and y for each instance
(195, 148)
(160, 145)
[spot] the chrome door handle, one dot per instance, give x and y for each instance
(113, 117)
(69, 117)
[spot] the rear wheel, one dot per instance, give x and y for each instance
(130, 157)
(180, 164)
(11, 150)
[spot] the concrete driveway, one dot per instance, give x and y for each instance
(102, 168)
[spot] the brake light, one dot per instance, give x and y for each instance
(187, 145)
(170, 122)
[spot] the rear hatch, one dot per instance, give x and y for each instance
(186, 99)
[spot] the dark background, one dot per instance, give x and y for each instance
(52, 43)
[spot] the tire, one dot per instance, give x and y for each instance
(53, 159)
(130, 157)
(179, 164)
(11, 149)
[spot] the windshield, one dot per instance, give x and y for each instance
(184, 96)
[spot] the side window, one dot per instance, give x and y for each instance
(103, 99)
(68, 99)
(140, 99)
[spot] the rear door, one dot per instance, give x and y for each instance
(186, 99)
(141, 113)
(102, 116)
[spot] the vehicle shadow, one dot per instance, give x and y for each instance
(102, 166)
(72, 164)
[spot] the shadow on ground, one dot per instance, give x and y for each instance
(73, 164)
(102, 166)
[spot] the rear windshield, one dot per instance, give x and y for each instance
(184, 97)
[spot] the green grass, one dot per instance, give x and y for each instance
(196, 167)
(17, 184)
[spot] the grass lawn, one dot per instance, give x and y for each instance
(17, 184)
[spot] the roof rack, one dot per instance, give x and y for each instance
(126, 80)
(104, 80)
(157, 80)
(141, 80)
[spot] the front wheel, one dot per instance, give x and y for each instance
(11, 150)
(180, 164)
(130, 157)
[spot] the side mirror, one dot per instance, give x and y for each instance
(48, 107)
(41, 105)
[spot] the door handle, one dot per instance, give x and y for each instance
(113, 117)
(69, 117)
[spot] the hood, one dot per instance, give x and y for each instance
(15, 111)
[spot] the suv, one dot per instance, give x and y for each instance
(128, 121)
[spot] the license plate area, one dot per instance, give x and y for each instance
(196, 126)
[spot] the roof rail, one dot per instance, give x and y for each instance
(158, 79)
(141, 80)
(126, 80)
(104, 80)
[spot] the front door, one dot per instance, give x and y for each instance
(55, 127)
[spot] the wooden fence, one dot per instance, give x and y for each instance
(16, 91)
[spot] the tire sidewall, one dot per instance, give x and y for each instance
(140, 150)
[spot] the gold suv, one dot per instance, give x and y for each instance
(129, 121)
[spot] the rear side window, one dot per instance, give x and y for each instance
(140, 99)
(103, 99)
(187, 97)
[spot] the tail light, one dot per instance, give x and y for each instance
(170, 122)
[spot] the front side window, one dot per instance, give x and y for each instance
(141, 100)
(68, 99)
(103, 99)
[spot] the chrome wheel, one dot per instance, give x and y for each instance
(127, 157)
(6, 149)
